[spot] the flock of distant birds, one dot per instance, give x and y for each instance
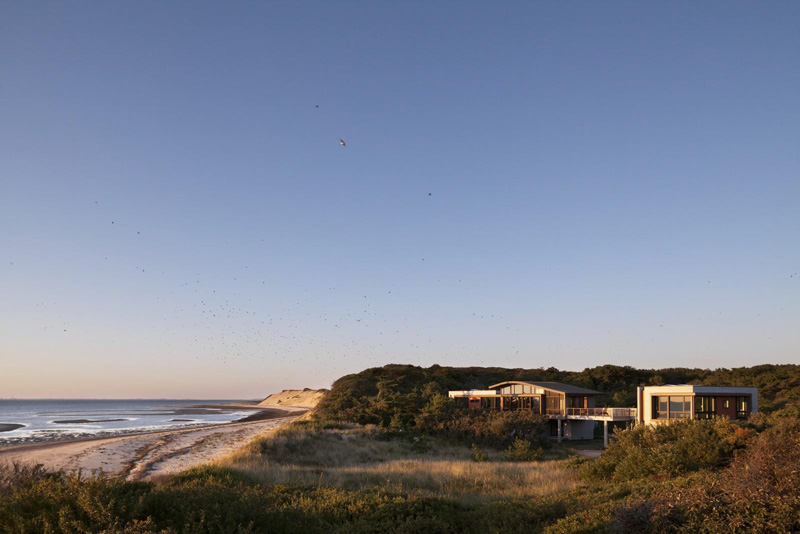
(225, 328)
(231, 330)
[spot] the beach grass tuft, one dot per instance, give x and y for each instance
(362, 458)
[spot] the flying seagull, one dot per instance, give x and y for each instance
(341, 142)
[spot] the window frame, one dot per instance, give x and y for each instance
(683, 413)
(743, 414)
(710, 411)
(669, 413)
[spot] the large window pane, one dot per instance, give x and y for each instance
(742, 408)
(663, 407)
(704, 407)
(680, 407)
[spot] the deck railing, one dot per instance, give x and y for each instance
(603, 412)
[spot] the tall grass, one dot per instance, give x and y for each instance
(362, 459)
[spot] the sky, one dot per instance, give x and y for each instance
(530, 184)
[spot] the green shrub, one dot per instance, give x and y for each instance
(419, 444)
(212, 500)
(493, 428)
(759, 492)
(669, 449)
(477, 454)
(520, 450)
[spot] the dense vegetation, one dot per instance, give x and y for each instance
(387, 451)
(748, 483)
(757, 491)
(670, 450)
(404, 396)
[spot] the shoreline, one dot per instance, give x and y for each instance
(144, 454)
(262, 414)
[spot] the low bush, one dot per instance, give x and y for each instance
(759, 492)
(492, 428)
(213, 500)
(669, 450)
(477, 454)
(520, 450)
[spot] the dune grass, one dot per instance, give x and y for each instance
(362, 458)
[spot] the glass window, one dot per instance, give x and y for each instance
(704, 407)
(680, 407)
(660, 407)
(742, 408)
(741, 404)
(663, 407)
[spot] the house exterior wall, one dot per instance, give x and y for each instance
(578, 429)
(553, 402)
(645, 396)
(726, 406)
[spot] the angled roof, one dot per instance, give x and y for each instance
(552, 386)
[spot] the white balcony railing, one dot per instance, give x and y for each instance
(614, 413)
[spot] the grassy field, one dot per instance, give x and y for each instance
(362, 458)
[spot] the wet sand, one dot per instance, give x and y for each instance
(141, 456)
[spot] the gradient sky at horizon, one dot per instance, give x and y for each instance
(524, 185)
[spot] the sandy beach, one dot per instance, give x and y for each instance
(141, 456)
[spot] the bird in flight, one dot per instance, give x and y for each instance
(341, 142)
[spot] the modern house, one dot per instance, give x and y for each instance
(571, 409)
(659, 404)
(573, 412)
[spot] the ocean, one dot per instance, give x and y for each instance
(57, 419)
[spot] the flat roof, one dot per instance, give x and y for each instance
(701, 389)
(552, 386)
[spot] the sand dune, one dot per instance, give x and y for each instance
(306, 398)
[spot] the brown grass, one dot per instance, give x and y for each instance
(362, 459)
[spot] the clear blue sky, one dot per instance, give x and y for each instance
(539, 184)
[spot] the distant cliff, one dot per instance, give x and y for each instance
(306, 398)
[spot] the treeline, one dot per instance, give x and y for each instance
(396, 395)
